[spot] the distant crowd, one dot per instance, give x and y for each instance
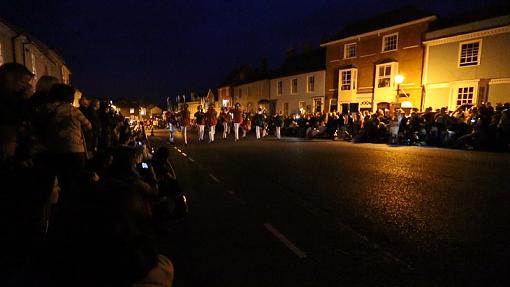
(78, 205)
(480, 127)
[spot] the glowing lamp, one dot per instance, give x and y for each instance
(399, 79)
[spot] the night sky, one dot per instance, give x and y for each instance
(160, 48)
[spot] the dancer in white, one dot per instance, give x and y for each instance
(211, 120)
(172, 125)
(225, 121)
(184, 115)
(238, 119)
(278, 122)
(200, 121)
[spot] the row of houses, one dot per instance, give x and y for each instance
(405, 58)
(18, 46)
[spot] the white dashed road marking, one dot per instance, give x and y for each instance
(299, 253)
(214, 178)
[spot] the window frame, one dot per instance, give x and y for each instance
(461, 91)
(353, 79)
(384, 41)
(279, 88)
(308, 78)
(393, 71)
(479, 54)
(346, 49)
(331, 104)
(292, 91)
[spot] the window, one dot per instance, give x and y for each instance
(349, 50)
(318, 105)
(302, 107)
(131, 110)
(310, 87)
(333, 105)
(348, 79)
(384, 76)
(390, 42)
(293, 87)
(285, 108)
(465, 95)
(240, 93)
(469, 54)
(1, 55)
(279, 89)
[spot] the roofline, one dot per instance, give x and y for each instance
(298, 74)
(468, 36)
(425, 19)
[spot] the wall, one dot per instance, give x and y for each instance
(301, 95)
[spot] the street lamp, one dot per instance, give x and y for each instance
(398, 79)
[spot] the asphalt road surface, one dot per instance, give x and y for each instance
(326, 213)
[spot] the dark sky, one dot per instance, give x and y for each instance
(160, 48)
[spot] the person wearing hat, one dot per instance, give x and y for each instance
(184, 121)
(238, 119)
(200, 120)
(211, 117)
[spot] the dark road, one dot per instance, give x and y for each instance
(323, 213)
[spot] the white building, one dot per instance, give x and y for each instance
(299, 93)
(468, 64)
(18, 46)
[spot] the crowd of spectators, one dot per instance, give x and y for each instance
(481, 127)
(77, 205)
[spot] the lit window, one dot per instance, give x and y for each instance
(465, 95)
(384, 76)
(131, 110)
(302, 107)
(349, 50)
(390, 42)
(280, 88)
(310, 87)
(293, 87)
(317, 104)
(469, 54)
(348, 79)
